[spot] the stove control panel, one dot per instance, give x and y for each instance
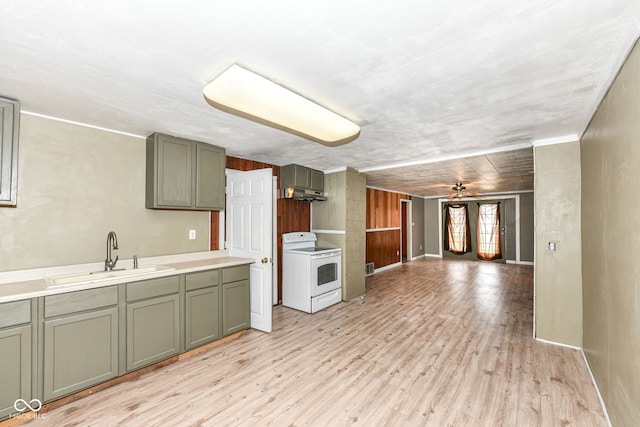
(299, 237)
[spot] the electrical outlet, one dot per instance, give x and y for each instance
(192, 234)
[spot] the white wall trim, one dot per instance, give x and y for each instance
(371, 230)
(445, 158)
(433, 255)
(387, 267)
(57, 119)
(409, 233)
(335, 170)
(497, 193)
(510, 261)
(393, 191)
(593, 378)
(318, 231)
(418, 257)
(574, 137)
(573, 347)
(595, 385)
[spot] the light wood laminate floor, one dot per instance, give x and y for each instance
(437, 343)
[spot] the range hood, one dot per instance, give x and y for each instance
(296, 193)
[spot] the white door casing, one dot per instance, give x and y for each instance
(249, 216)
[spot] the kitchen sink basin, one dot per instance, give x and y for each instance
(101, 276)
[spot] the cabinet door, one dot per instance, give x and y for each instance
(317, 180)
(153, 330)
(173, 171)
(79, 351)
(9, 127)
(15, 369)
(235, 307)
(210, 183)
(202, 316)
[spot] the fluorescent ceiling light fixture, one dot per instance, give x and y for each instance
(247, 94)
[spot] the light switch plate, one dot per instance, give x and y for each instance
(192, 234)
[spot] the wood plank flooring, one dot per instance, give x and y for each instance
(436, 343)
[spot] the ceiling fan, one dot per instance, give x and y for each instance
(460, 192)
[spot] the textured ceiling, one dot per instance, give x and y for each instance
(426, 80)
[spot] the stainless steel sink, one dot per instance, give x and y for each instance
(101, 276)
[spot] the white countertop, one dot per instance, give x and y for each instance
(25, 284)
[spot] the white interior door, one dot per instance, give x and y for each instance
(249, 216)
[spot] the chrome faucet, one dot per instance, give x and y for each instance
(112, 243)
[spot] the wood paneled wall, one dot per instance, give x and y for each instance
(383, 208)
(383, 247)
(293, 215)
(383, 226)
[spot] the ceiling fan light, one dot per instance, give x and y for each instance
(247, 94)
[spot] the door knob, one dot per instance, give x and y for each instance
(265, 260)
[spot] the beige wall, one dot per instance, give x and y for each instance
(611, 245)
(558, 275)
(75, 184)
(344, 214)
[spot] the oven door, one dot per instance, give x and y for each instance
(326, 272)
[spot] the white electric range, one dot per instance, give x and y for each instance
(311, 275)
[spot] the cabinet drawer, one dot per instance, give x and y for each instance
(15, 313)
(203, 279)
(73, 302)
(233, 274)
(153, 288)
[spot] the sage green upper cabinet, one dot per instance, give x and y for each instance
(9, 127)
(301, 177)
(210, 180)
(80, 340)
(184, 174)
(15, 354)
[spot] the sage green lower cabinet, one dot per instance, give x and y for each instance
(80, 350)
(16, 354)
(236, 305)
(202, 317)
(15, 369)
(80, 340)
(153, 323)
(56, 345)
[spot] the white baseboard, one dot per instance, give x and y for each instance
(418, 257)
(593, 379)
(387, 267)
(510, 261)
(558, 344)
(595, 384)
(433, 255)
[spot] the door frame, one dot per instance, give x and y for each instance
(441, 202)
(406, 219)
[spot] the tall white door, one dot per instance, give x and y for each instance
(249, 214)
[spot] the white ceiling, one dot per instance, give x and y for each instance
(427, 81)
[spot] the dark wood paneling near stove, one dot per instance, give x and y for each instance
(383, 208)
(383, 226)
(383, 247)
(214, 231)
(293, 215)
